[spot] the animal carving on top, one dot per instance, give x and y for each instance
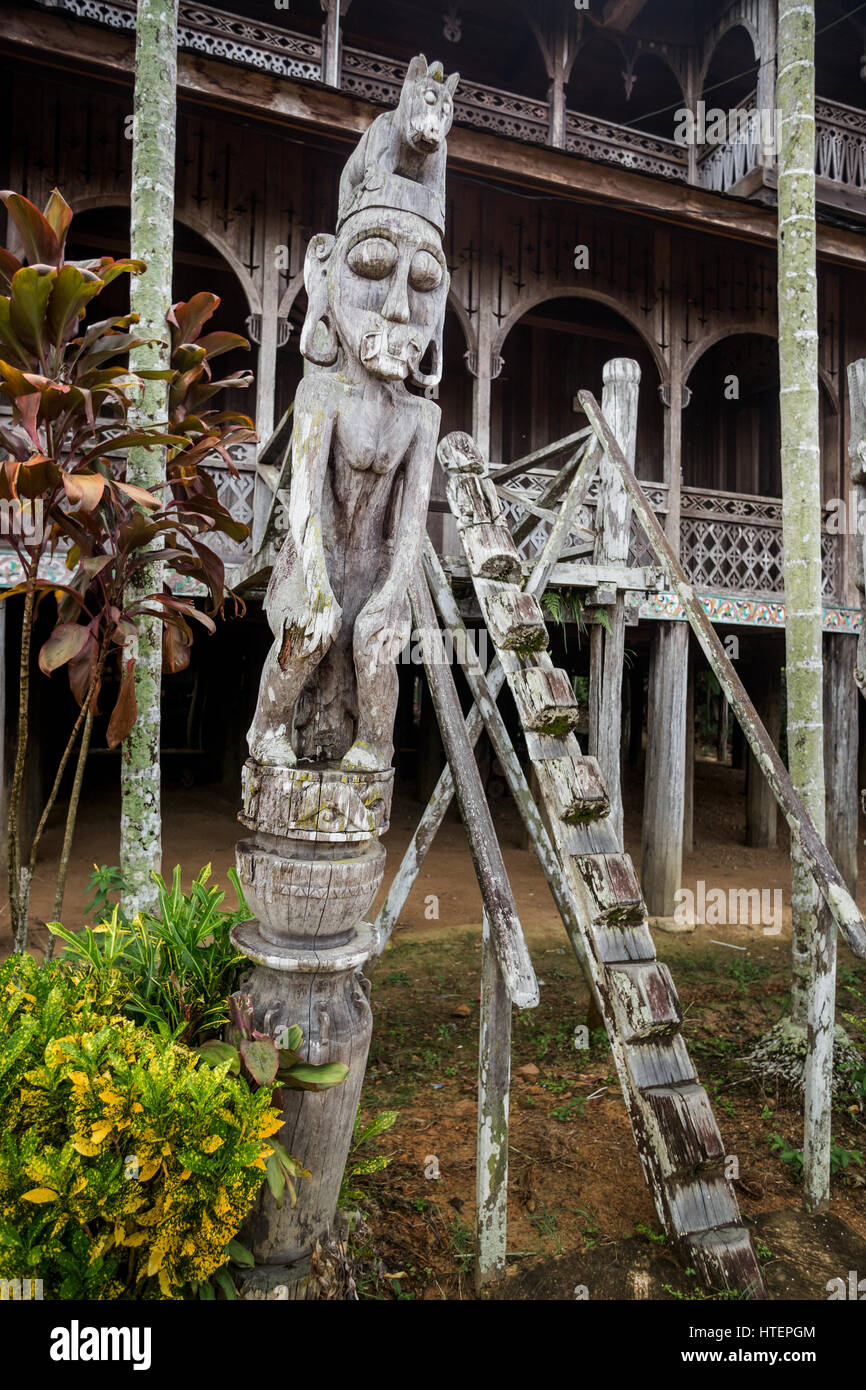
(362, 448)
(408, 141)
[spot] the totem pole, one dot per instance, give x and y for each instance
(317, 786)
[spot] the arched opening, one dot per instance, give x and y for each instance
(731, 427)
(512, 62)
(732, 72)
(644, 93)
(559, 347)
(197, 265)
(840, 56)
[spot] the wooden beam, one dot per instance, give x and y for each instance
(618, 14)
(506, 932)
(815, 854)
(292, 104)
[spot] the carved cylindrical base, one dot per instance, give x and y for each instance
(334, 1012)
(310, 869)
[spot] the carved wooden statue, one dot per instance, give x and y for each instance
(317, 786)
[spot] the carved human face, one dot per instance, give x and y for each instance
(388, 283)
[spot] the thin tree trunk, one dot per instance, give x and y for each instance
(19, 884)
(813, 936)
(86, 713)
(151, 240)
(75, 795)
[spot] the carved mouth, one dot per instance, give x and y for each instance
(425, 144)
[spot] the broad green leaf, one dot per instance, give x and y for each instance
(304, 1076)
(32, 287)
(72, 292)
(215, 1053)
(276, 1178)
(260, 1059)
(240, 1254)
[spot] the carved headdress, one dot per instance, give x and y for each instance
(400, 160)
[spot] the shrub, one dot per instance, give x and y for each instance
(179, 967)
(125, 1167)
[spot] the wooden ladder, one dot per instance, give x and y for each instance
(675, 1130)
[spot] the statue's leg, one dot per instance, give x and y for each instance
(378, 688)
(270, 734)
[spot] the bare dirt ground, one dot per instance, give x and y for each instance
(579, 1210)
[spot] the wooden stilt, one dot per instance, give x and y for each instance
(812, 848)
(491, 1157)
(689, 788)
(664, 782)
(722, 735)
(841, 737)
(761, 809)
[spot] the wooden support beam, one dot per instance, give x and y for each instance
(761, 809)
(689, 787)
(618, 14)
(294, 104)
(491, 1152)
(841, 739)
(664, 780)
(506, 931)
(815, 854)
(434, 811)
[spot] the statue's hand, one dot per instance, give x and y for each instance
(382, 627)
(321, 620)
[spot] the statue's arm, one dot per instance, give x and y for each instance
(311, 445)
(412, 521)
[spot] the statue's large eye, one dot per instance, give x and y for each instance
(373, 258)
(425, 272)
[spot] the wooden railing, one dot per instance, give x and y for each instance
(840, 155)
(729, 542)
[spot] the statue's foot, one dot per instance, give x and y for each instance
(273, 748)
(362, 757)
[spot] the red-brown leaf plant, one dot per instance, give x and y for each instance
(65, 448)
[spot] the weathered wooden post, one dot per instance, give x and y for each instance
(619, 403)
(317, 786)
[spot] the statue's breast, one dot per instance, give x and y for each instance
(377, 439)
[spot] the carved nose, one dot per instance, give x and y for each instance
(396, 306)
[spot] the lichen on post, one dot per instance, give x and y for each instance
(318, 783)
(151, 240)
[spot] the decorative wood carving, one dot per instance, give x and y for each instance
(317, 787)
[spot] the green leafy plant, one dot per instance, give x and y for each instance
(357, 1164)
(126, 1167)
(65, 452)
(179, 966)
(105, 880)
(272, 1062)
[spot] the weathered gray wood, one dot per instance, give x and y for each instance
(505, 926)
(317, 787)
(689, 787)
(830, 883)
(761, 809)
(841, 740)
(491, 1155)
(664, 777)
(621, 378)
(434, 812)
(722, 735)
(635, 998)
